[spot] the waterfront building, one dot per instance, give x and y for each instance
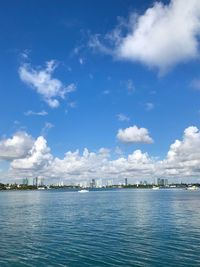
(93, 183)
(35, 181)
(25, 181)
(162, 182)
(60, 183)
(126, 182)
(41, 181)
(99, 183)
(110, 183)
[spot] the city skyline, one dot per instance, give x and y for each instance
(100, 89)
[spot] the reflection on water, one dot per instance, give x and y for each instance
(107, 228)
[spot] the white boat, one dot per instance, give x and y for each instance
(155, 187)
(193, 187)
(83, 191)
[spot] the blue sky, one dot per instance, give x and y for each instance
(76, 72)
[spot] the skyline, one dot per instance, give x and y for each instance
(100, 90)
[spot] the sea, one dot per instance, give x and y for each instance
(118, 228)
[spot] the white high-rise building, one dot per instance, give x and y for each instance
(110, 183)
(99, 183)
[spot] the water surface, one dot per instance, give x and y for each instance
(103, 228)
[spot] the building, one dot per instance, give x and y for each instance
(35, 181)
(25, 181)
(93, 183)
(42, 182)
(99, 183)
(162, 182)
(110, 183)
(60, 183)
(126, 182)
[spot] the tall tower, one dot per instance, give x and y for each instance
(93, 183)
(42, 182)
(35, 181)
(126, 182)
(25, 181)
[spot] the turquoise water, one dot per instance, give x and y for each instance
(106, 228)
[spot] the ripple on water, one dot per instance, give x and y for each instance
(121, 228)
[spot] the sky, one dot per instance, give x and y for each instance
(100, 90)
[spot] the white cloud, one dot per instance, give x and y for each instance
(162, 37)
(118, 151)
(41, 80)
(39, 113)
(134, 135)
(35, 159)
(122, 117)
(183, 157)
(15, 147)
(188, 149)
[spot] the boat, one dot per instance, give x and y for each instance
(193, 187)
(83, 191)
(155, 187)
(41, 188)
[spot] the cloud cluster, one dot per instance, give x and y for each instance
(183, 157)
(15, 147)
(134, 135)
(38, 157)
(41, 80)
(35, 159)
(162, 37)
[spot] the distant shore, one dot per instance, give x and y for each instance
(21, 187)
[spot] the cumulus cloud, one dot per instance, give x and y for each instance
(188, 148)
(162, 37)
(38, 157)
(181, 161)
(88, 165)
(41, 80)
(80, 167)
(134, 135)
(16, 146)
(183, 157)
